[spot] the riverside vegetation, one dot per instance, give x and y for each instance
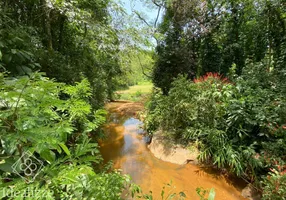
(60, 62)
(219, 76)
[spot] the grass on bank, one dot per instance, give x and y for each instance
(136, 92)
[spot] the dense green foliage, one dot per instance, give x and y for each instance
(210, 36)
(238, 122)
(61, 60)
(240, 118)
(65, 39)
(52, 119)
(240, 127)
(275, 185)
(57, 131)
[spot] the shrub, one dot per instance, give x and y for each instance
(275, 185)
(53, 122)
(240, 126)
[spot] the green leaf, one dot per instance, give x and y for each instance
(7, 58)
(13, 51)
(162, 193)
(7, 165)
(65, 148)
(212, 194)
(172, 196)
(48, 155)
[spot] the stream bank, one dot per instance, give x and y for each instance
(126, 146)
(166, 150)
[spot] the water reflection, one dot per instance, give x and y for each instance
(126, 146)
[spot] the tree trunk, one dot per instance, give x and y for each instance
(47, 6)
(61, 33)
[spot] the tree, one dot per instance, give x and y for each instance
(68, 39)
(212, 36)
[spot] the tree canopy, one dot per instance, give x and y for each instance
(213, 36)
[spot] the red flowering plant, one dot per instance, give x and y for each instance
(212, 77)
(219, 86)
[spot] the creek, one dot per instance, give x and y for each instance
(126, 146)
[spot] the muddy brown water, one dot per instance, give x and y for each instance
(126, 146)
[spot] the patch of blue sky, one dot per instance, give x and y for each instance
(141, 7)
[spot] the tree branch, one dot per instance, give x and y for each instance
(148, 76)
(158, 5)
(157, 18)
(141, 18)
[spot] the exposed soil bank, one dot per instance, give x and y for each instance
(166, 150)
